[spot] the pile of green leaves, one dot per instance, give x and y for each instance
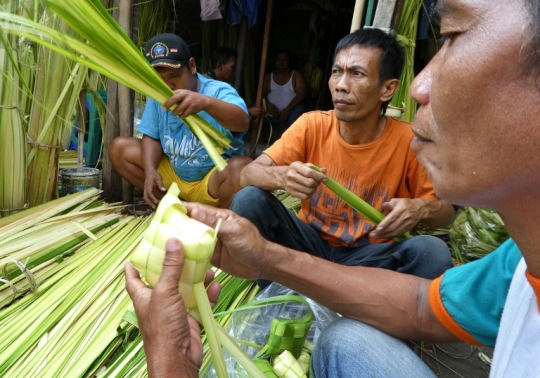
(476, 232)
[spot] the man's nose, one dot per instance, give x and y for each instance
(342, 83)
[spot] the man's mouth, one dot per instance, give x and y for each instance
(339, 103)
(419, 138)
(420, 133)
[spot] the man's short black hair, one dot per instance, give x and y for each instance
(222, 54)
(392, 57)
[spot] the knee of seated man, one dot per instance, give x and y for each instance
(237, 163)
(116, 148)
(343, 339)
(434, 252)
(248, 200)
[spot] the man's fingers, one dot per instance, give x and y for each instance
(213, 293)
(133, 280)
(159, 184)
(176, 98)
(172, 265)
(208, 215)
(150, 199)
(209, 277)
(194, 325)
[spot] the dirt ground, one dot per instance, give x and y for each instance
(456, 360)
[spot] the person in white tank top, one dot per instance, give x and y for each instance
(284, 91)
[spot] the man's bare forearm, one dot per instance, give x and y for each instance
(262, 176)
(393, 302)
(228, 115)
(263, 173)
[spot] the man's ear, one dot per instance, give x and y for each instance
(192, 65)
(388, 88)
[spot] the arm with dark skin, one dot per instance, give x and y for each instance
(151, 152)
(270, 108)
(392, 302)
(230, 116)
(171, 338)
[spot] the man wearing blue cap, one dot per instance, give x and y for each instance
(169, 152)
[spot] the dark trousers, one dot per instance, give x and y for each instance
(423, 256)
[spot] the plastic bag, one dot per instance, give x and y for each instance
(253, 326)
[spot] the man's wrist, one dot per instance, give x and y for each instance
(167, 364)
(425, 208)
(276, 254)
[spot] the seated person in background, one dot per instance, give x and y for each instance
(284, 91)
(223, 63)
(364, 151)
(169, 151)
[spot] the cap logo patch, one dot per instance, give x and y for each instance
(159, 50)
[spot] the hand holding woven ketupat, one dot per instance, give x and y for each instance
(171, 221)
(198, 240)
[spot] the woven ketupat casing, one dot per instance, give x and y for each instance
(266, 368)
(287, 334)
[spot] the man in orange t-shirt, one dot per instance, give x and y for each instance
(364, 151)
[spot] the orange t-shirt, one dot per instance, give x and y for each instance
(376, 172)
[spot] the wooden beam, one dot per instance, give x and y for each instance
(241, 57)
(81, 130)
(397, 14)
(112, 181)
(125, 104)
(262, 72)
(357, 15)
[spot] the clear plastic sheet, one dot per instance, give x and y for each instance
(253, 326)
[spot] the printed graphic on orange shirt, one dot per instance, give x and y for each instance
(332, 216)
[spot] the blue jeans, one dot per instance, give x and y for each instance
(349, 348)
(423, 256)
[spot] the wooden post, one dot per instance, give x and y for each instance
(81, 129)
(397, 15)
(357, 14)
(125, 105)
(262, 72)
(111, 180)
(241, 58)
